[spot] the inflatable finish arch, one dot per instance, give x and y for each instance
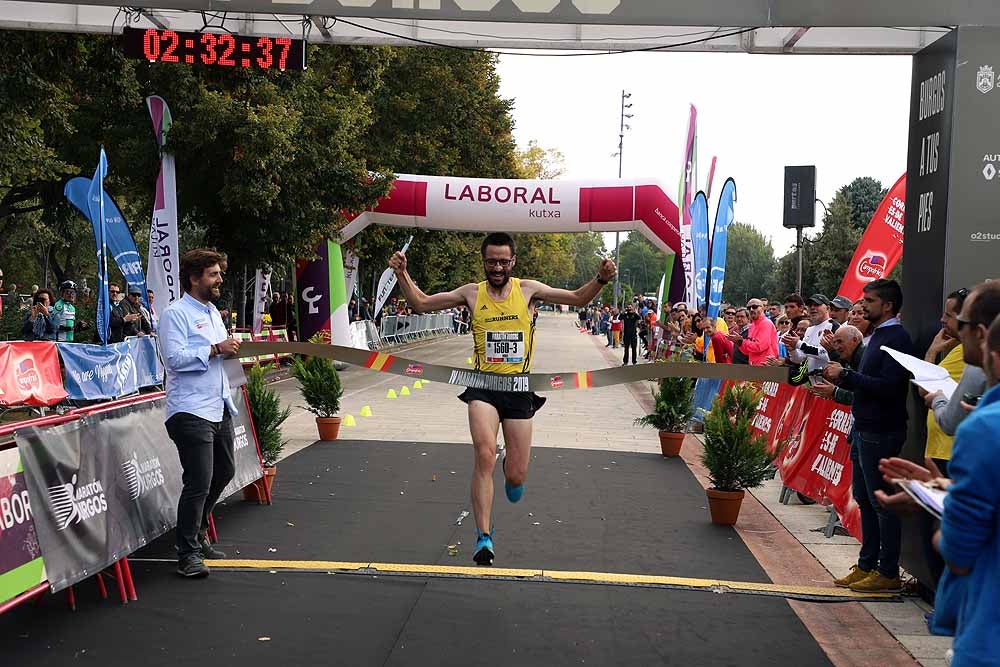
(485, 205)
(533, 206)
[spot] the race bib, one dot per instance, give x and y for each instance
(505, 347)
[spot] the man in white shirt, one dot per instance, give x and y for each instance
(193, 342)
(810, 347)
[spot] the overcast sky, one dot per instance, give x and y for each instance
(845, 114)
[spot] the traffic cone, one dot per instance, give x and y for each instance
(349, 421)
(366, 411)
(405, 391)
(391, 394)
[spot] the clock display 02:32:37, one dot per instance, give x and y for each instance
(220, 49)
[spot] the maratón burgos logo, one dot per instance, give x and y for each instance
(240, 439)
(71, 504)
(142, 477)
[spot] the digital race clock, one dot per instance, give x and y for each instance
(214, 48)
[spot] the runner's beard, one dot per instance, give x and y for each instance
(498, 279)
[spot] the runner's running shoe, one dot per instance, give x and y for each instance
(514, 493)
(484, 549)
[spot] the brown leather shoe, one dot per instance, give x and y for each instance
(876, 583)
(855, 575)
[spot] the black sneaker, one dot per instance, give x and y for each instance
(192, 567)
(208, 552)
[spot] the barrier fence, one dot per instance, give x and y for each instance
(84, 490)
(814, 431)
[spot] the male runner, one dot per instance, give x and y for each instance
(503, 336)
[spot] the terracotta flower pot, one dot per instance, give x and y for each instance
(670, 443)
(724, 505)
(329, 427)
(255, 492)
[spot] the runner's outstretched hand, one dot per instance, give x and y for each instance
(398, 262)
(606, 271)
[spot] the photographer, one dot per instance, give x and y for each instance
(127, 318)
(38, 322)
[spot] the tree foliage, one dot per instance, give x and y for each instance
(749, 263)
(641, 264)
(863, 196)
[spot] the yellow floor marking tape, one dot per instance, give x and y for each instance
(551, 575)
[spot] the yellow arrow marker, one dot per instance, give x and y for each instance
(391, 394)
(349, 420)
(418, 385)
(468, 360)
(405, 391)
(366, 411)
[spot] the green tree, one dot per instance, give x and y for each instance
(641, 264)
(537, 162)
(835, 245)
(749, 263)
(863, 196)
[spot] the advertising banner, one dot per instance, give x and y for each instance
(21, 564)
(312, 284)
(684, 199)
(724, 216)
(103, 487)
(96, 372)
(539, 206)
(162, 275)
(881, 247)
(699, 239)
(261, 298)
(29, 374)
(817, 460)
(387, 281)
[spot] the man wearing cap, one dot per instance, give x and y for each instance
(810, 348)
(127, 318)
(840, 308)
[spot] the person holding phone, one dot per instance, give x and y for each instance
(38, 322)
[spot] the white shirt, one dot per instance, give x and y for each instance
(814, 335)
(196, 384)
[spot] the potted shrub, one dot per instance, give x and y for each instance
(320, 386)
(735, 456)
(673, 411)
(268, 416)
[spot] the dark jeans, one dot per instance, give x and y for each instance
(206, 452)
(881, 531)
(629, 343)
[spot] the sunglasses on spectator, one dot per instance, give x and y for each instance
(730, 312)
(754, 306)
(962, 323)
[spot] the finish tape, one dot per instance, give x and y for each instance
(389, 363)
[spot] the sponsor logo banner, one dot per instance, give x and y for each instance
(881, 247)
(21, 565)
(102, 487)
(109, 371)
(34, 377)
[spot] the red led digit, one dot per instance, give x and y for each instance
(208, 54)
(151, 45)
(265, 44)
(230, 45)
(285, 44)
(172, 39)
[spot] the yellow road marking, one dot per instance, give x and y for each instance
(552, 575)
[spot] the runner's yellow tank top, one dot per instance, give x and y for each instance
(502, 332)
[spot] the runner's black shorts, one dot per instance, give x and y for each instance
(509, 404)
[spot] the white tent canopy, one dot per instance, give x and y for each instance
(752, 26)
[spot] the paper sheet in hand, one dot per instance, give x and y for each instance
(929, 377)
(930, 498)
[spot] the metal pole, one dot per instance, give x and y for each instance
(798, 247)
(621, 144)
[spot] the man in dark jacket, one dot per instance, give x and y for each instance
(880, 387)
(127, 318)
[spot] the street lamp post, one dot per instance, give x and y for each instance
(622, 126)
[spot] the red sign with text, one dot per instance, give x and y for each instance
(30, 374)
(882, 245)
(816, 460)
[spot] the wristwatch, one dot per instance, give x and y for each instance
(603, 282)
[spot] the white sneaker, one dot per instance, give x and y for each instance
(948, 655)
